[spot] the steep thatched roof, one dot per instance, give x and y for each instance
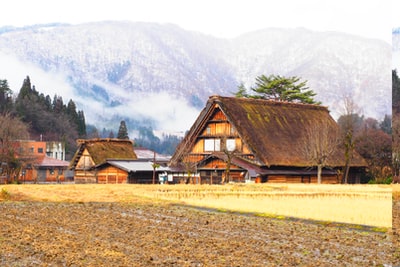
(274, 131)
(102, 149)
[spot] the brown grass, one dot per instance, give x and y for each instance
(355, 204)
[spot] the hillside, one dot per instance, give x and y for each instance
(160, 75)
(396, 48)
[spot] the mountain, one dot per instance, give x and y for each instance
(396, 48)
(160, 75)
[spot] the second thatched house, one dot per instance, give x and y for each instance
(240, 139)
(92, 153)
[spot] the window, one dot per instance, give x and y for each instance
(217, 146)
(40, 150)
(233, 130)
(208, 130)
(230, 144)
(212, 145)
(209, 145)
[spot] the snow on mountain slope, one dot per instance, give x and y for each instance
(162, 75)
(396, 49)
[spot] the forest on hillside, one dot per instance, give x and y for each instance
(45, 118)
(51, 119)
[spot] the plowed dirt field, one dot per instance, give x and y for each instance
(144, 232)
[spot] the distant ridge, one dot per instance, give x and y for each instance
(161, 75)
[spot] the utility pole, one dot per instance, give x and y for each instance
(154, 168)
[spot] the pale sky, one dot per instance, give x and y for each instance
(221, 18)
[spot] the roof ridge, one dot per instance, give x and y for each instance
(80, 141)
(267, 101)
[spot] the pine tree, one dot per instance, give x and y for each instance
(81, 124)
(279, 88)
(123, 131)
(26, 89)
(58, 104)
(71, 112)
(5, 96)
(242, 91)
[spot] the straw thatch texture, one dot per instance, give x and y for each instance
(102, 149)
(274, 131)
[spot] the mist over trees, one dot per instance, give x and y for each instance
(46, 118)
(145, 137)
(50, 119)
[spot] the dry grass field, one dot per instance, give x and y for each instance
(159, 225)
(354, 204)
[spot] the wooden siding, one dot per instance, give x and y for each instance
(198, 147)
(327, 179)
(112, 175)
(218, 114)
(49, 175)
(85, 177)
(85, 161)
(219, 164)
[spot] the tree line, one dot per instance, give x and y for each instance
(396, 124)
(44, 118)
(32, 115)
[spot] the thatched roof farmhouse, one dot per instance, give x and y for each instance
(263, 139)
(95, 152)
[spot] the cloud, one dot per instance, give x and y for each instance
(48, 83)
(170, 113)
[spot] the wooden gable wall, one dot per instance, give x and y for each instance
(85, 161)
(83, 172)
(216, 128)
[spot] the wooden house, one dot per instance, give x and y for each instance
(257, 140)
(131, 171)
(37, 166)
(51, 170)
(91, 155)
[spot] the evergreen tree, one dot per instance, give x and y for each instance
(386, 124)
(242, 91)
(58, 104)
(122, 131)
(396, 123)
(81, 124)
(279, 88)
(72, 114)
(395, 92)
(26, 89)
(5, 96)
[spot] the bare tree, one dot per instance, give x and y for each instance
(11, 130)
(190, 169)
(230, 153)
(319, 143)
(396, 147)
(348, 128)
